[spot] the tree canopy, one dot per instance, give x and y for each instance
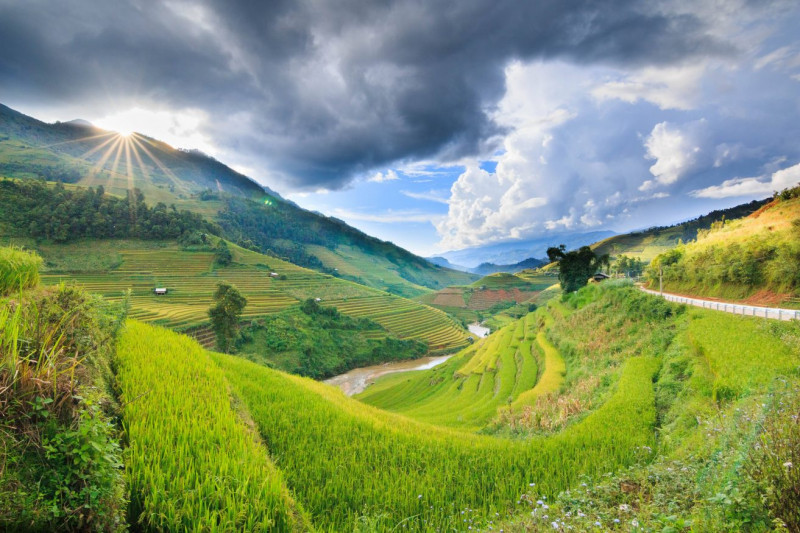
(225, 314)
(575, 267)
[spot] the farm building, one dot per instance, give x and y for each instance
(600, 277)
(160, 290)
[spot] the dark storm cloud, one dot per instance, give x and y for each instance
(319, 91)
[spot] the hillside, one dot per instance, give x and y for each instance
(112, 267)
(610, 389)
(755, 259)
(489, 295)
(249, 214)
(648, 243)
(484, 269)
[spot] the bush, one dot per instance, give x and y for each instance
(62, 463)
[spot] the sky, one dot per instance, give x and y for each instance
(439, 125)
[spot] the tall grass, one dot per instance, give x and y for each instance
(19, 269)
(192, 464)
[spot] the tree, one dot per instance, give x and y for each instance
(225, 314)
(222, 254)
(575, 267)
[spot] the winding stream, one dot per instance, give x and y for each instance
(359, 379)
(478, 330)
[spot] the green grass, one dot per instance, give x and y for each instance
(742, 353)
(19, 269)
(192, 464)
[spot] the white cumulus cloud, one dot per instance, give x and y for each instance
(761, 185)
(676, 150)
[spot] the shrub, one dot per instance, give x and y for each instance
(62, 461)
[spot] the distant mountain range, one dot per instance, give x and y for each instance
(484, 269)
(510, 253)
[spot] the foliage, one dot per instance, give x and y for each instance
(774, 462)
(192, 465)
(37, 210)
(788, 193)
(222, 254)
(226, 313)
(320, 342)
(575, 267)
(61, 459)
(630, 267)
(19, 269)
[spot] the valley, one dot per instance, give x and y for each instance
(367, 389)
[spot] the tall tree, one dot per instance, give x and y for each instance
(575, 267)
(225, 314)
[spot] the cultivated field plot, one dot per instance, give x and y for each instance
(467, 391)
(406, 319)
(269, 284)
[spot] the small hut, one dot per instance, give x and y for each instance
(600, 277)
(159, 291)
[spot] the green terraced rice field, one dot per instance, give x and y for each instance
(343, 459)
(468, 390)
(191, 278)
(192, 464)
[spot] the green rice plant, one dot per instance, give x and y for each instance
(552, 377)
(741, 352)
(192, 465)
(341, 456)
(19, 269)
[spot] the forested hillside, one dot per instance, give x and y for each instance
(250, 215)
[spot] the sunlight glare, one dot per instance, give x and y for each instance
(180, 129)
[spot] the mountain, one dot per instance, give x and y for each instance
(510, 252)
(248, 213)
(485, 269)
(441, 261)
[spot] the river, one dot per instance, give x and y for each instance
(359, 379)
(478, 330)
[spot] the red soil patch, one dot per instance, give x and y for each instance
(485, 299)
(765, 298)
(450, 298)
(757, 213)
